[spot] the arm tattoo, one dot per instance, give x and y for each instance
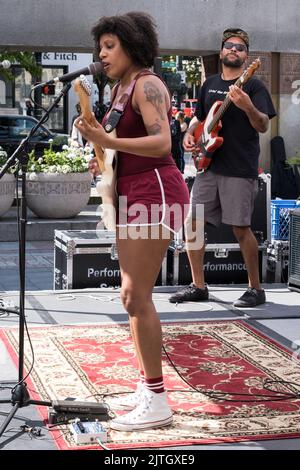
(154, 96)
(154, 129)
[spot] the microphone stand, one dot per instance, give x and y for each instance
(20, 396)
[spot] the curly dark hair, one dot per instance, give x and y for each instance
(136, 32)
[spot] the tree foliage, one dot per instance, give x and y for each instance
(23, 59)
(191, 66)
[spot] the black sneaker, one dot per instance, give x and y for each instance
(190, 293)
(251, 298)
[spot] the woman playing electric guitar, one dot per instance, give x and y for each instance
(148, 185)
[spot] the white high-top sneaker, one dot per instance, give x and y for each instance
(129, 401)
(152, 412)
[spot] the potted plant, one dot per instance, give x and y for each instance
(58, 184)
(7, 185)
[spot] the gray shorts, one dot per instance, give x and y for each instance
(226, 199)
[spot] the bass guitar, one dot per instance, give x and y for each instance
(206, 133)
(106, 158)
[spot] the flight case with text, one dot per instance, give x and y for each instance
(89, 259)
(223, 262)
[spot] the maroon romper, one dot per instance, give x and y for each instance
(151, 190)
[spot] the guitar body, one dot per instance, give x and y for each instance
(106, 159)
(207, 142)
(106, 188)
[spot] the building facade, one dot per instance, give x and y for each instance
(191, 29)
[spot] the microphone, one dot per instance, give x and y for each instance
(5, 64)
(92, 69)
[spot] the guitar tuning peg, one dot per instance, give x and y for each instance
(85, 84)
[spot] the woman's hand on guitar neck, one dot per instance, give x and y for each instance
(92, 131)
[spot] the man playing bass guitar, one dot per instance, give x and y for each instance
(227, 188)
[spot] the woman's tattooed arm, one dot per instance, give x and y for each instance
(154, 96)
(154, 129)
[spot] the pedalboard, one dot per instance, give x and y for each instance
(88, 432)
(74, 406)
(58, 417)
(64, 411)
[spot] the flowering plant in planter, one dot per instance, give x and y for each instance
(3, 156)
(71, 159)
(3, 160)
(59, 183)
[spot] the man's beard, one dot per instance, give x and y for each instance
(233, 63)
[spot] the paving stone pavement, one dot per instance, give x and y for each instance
(32, 260)
(39, 265)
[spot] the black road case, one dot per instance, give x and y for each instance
(223, 261)
(223, 264)
(277, 261)
(88, 259)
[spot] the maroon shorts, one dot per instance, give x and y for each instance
(155, 197)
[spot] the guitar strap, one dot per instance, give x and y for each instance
(119, 108)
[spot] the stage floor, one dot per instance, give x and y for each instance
(279, 319)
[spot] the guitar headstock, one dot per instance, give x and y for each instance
(81, 84)
(83, 89)
(250, 70)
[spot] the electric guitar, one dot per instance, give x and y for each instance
(106, 158)
(206, 133)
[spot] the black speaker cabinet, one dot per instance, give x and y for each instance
(294, 251)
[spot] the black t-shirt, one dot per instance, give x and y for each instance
(239, 153)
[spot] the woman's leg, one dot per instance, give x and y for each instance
(140, 262)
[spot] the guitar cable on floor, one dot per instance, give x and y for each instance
(221, 395)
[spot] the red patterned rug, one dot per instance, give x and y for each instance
(90, 361)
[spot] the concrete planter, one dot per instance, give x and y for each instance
(7, 192)
(57, 195)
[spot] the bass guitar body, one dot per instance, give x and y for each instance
(207, 141)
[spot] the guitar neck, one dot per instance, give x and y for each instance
(86, 111)
(87, 114)
(81, 88)
(226, 103)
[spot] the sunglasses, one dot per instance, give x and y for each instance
(239, 47)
